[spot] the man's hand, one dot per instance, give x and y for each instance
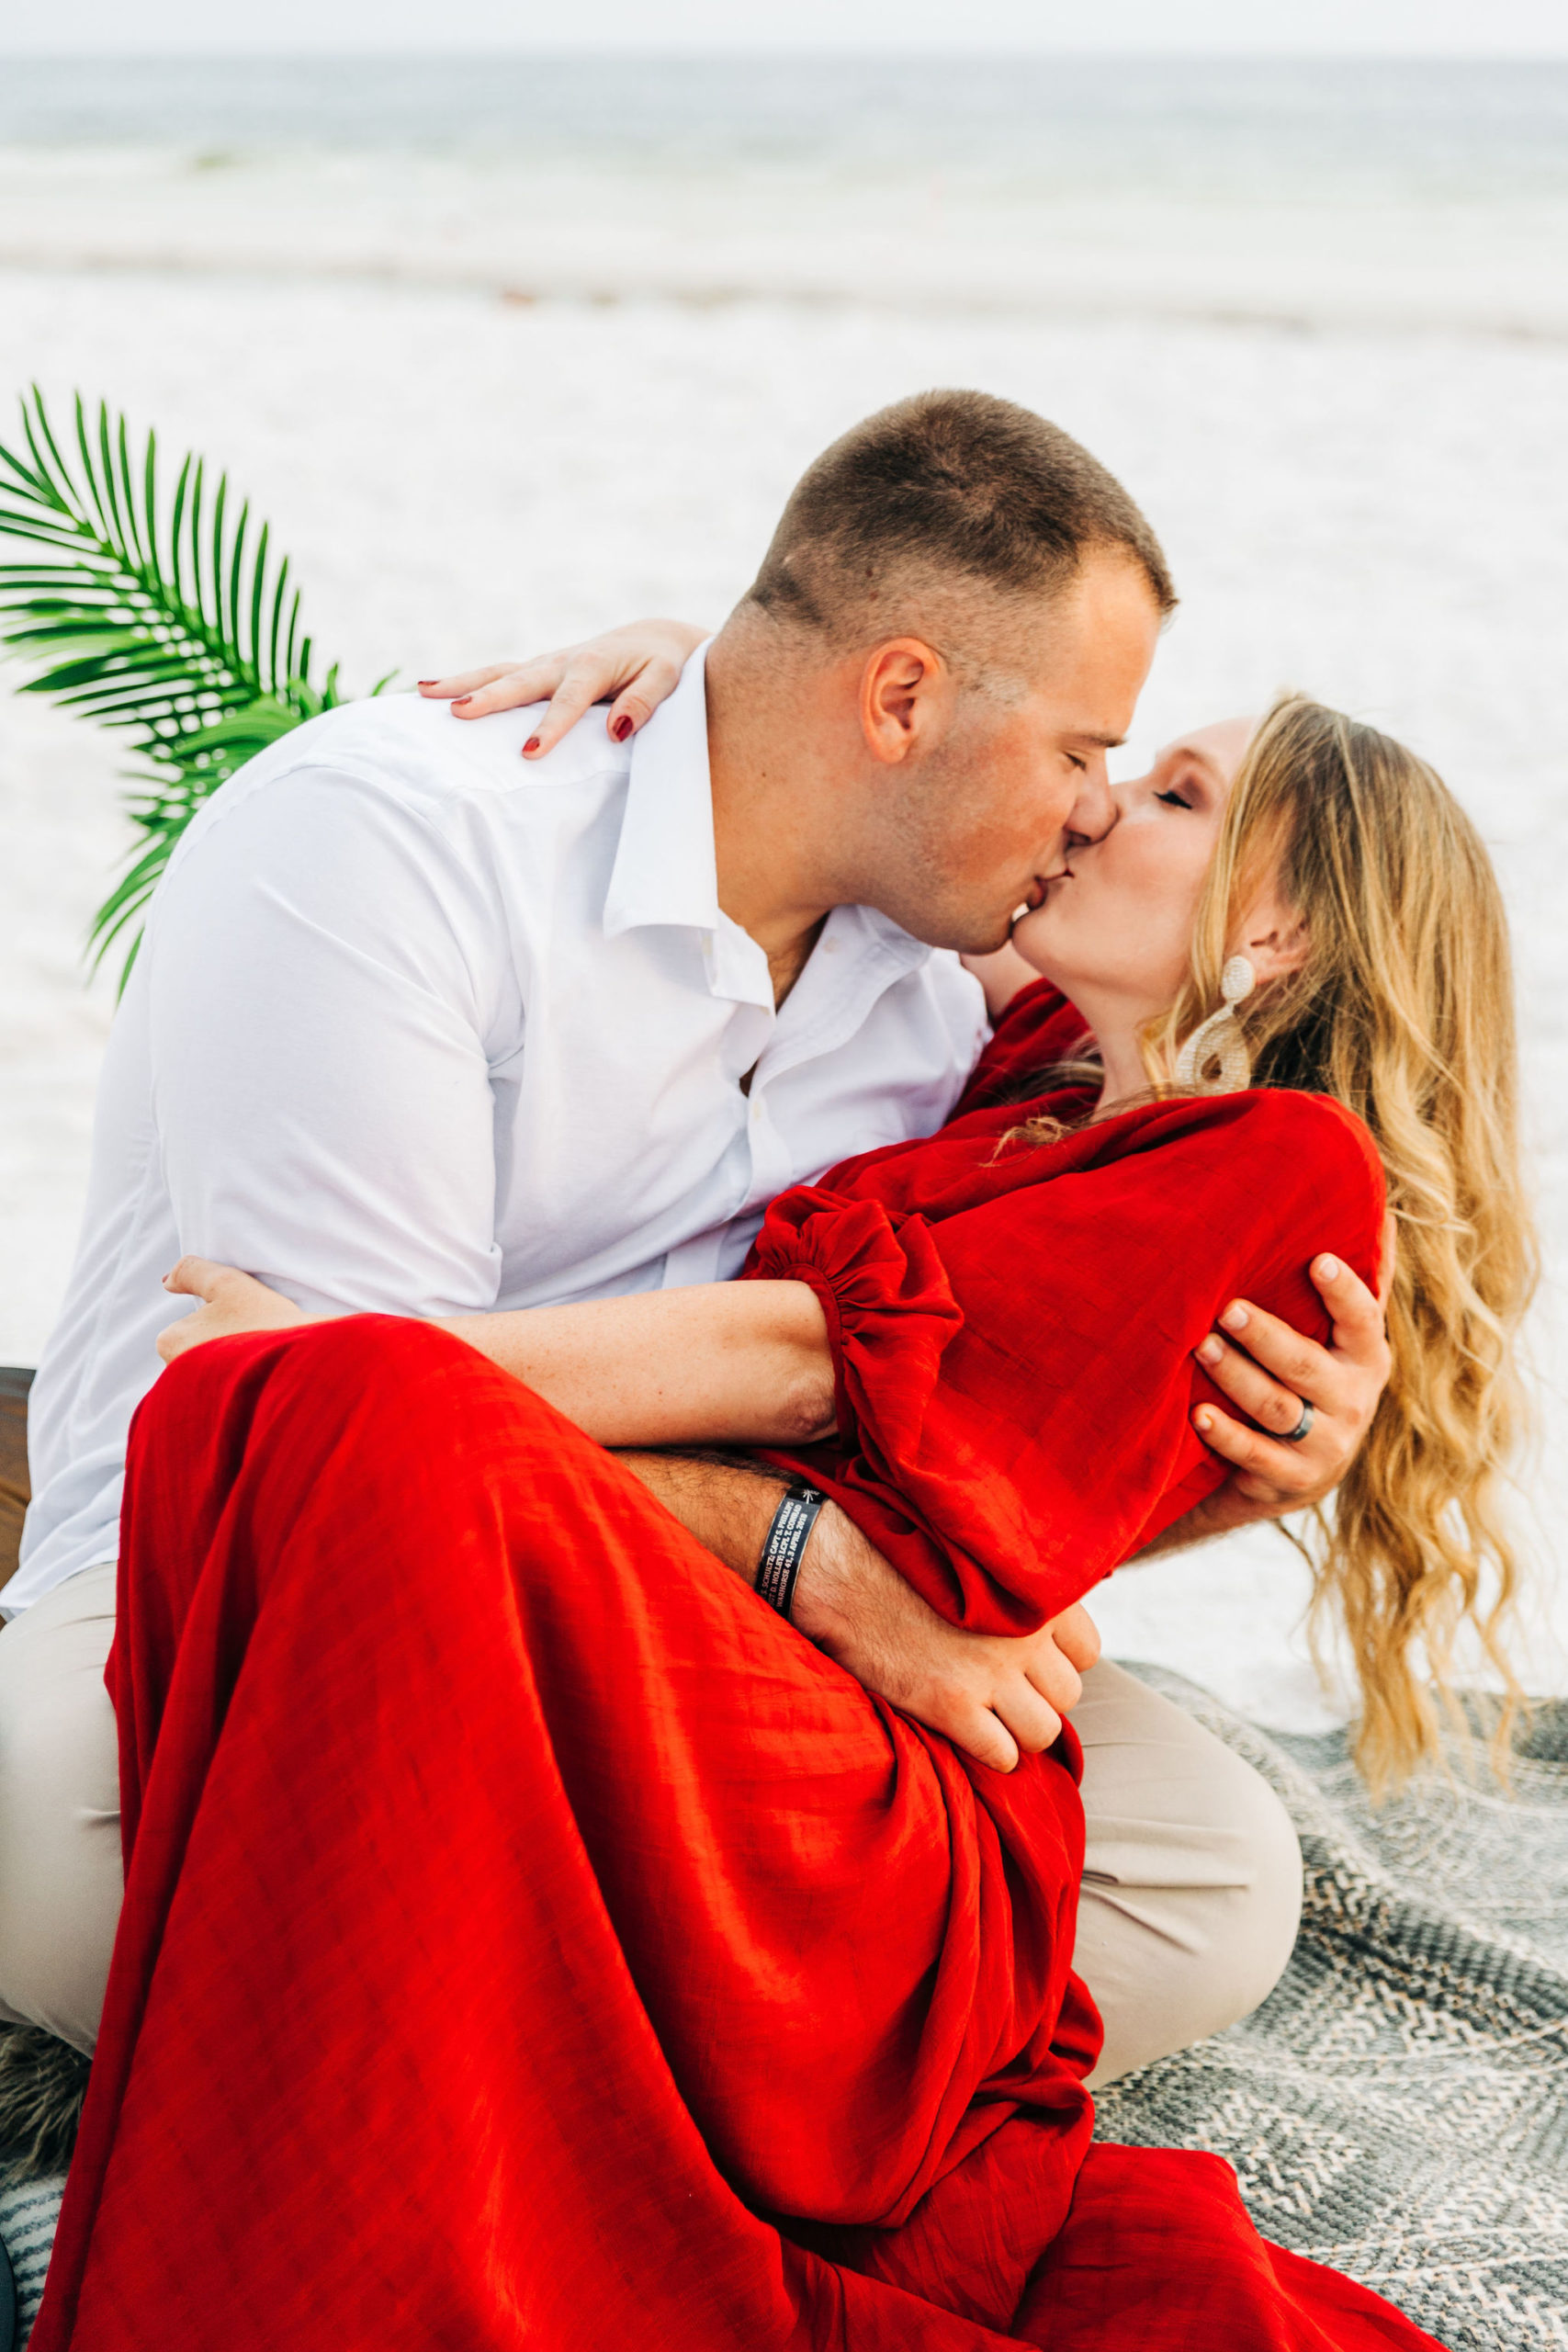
(230, 1302)
(990, 1696)
(1271, 1371)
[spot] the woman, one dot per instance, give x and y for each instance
(1446, 1424)
(646, 1981)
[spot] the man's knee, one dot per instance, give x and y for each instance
(1191, 1891)
(1261, 1928)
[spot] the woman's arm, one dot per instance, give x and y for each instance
(1021, 1380)
(634, 669)
(695, 1366)
(720, 1363)
(750, 1353)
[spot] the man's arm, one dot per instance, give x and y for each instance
(317, 1008)
(1271, 1371)
(990, 1696)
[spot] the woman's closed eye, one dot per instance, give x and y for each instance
(1187, 782)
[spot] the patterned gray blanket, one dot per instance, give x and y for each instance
(1399, 2106)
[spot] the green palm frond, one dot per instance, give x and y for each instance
(174, 622)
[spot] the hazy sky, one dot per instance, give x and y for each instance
(1410, 28)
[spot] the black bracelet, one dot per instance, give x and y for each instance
(787, 1538)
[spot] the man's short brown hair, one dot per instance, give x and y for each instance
(939, 486)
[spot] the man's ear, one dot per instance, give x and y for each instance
(1274, 939)
(906, 698)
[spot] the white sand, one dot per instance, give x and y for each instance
(1377, 513)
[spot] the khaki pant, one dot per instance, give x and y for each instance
(60, 1868)
(1191, 1887)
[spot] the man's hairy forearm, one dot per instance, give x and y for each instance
(992, 1697)
(727, 1501)
(1223, 1511)
(1179, 1536)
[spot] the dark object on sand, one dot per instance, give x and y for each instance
(42, 2081)
(14, 1487)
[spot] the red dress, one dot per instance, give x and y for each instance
(531, 1941)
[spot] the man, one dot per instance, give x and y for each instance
(417, 1028)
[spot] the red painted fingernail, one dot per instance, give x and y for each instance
(424, 682)
(461, 700)
(530, 747)
(621, 728)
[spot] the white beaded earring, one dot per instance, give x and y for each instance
(1214, 1060)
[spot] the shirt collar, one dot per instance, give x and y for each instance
(666, 868)
(898, 947)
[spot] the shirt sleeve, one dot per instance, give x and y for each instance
(317, 1002)
(1015, 1382)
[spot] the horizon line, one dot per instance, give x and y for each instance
(716, 52)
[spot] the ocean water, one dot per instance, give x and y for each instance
(1233, 128)
(510, 351)
(1431, 194)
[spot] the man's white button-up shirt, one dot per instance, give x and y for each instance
(419, 1027)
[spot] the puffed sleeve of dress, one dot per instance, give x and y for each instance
(1012, 1325)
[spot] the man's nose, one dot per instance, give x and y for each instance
(1096, 812)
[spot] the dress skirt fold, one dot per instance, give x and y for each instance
(531, 1940)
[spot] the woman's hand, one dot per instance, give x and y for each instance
(230, 1302)
(1269, 1371)
(639, 666)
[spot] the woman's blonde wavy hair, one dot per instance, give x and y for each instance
(1403, 1010)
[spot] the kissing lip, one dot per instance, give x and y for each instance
(1038, 892)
